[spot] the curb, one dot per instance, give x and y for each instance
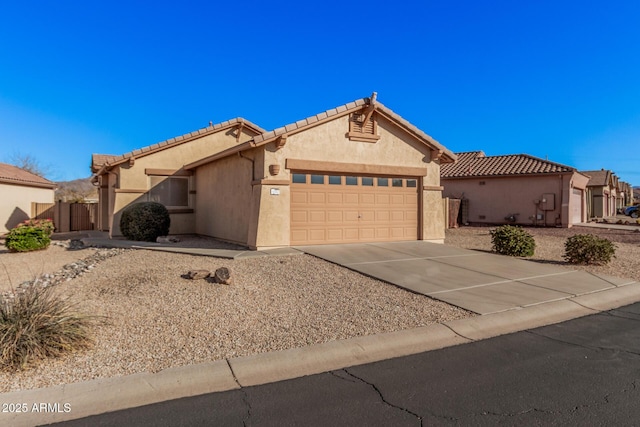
(79, 400)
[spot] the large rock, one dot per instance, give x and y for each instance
(198, 274)
(223, 276)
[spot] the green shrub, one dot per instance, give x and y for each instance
(145, 221)
(25, 238)
(45, 224)
(36, 324)
(588, 249)
(512, 241)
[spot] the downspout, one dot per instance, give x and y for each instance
(111, 207)
(253, 165)
(561, 200)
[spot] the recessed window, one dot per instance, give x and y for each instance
(396, 182)
(335, 180)
(299, 178)
(351, 180)
(317, 179)
(366, 181)
(383, 182)
(172, 192)
(412, 183)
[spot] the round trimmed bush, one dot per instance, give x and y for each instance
(26, 238)
(512, 241)
(588, 249)
(145, 221)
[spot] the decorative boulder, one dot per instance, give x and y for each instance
(223, 276)
(198, 274)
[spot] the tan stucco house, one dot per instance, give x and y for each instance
(355, 173)
(18, 189)
(606, 193)
(518, 188)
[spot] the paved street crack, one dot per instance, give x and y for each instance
(588, 347)
(245, 397)
(385, 401)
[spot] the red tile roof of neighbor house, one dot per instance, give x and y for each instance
(331, 114)
(477, 164)
(99, 160)
(10, 174)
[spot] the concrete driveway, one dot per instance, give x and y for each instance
(477, 281)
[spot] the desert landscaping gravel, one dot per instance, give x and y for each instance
(156, 319)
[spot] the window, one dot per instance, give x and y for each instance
(352, 180)
(383, 182)
(396, 182)
(299, 178)
(317, 179)
(367, 181)
(335, 180)
(412, 183)
(171, 191)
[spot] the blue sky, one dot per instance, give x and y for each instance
(556, 79)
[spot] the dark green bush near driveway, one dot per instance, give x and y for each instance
(145, 221)
(512, 241)
(588, 249)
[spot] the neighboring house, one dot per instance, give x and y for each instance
(18, 189)
(606, 193)
(355, 173)
(517, 188)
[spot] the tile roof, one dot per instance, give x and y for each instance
(477, 164)
(599, 178)
(14, 175)
(99, 160)
(341, 110)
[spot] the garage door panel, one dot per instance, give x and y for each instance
(317, 216)
(299, 198)
(299, 216)
(367, 199)
(317, 198)
(334, 199)
(383, 216)
(335, 216)
(350, 198)
(317, 235)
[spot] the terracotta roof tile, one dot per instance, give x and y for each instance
(13, 174)
(477, 164)
(99, 160)
(598, 178)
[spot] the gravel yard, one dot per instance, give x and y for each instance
(157, 319)
(550, 247)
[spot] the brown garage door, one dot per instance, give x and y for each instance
(576, 206)
(331, 208)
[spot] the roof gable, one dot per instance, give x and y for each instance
(477, 164)
(99, 161)
(598, 178)
(10, 174)
(301, 125)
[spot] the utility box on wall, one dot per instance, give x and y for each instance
(548, 202)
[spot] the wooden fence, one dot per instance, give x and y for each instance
(67, 216)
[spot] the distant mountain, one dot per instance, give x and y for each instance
(78, 190)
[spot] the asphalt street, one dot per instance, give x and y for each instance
(581, 372)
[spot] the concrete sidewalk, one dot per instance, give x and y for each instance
(513, 294)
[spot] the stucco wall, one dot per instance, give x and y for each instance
(499, 197)
(132, 183)
(16, 203)
(224, 198)
(328, 142)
